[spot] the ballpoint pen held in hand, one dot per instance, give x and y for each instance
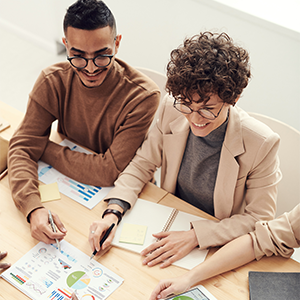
(53, 228)
(104, 238)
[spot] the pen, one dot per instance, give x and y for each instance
(53, 228)
(104, 238)
(3, 174)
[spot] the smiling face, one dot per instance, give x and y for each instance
(88, 44)
(202, 127)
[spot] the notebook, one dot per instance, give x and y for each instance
(157, 218)
(274, 285)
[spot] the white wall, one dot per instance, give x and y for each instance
(151, 29)
(37, 21)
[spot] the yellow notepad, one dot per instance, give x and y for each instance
(49, 192)
(133, 234)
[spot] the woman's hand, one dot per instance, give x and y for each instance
(167, 287)
(172, 246)
(98, 229)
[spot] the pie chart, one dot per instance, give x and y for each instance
(78, 280)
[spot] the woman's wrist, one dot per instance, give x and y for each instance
(194, 237)
(116, 207)
(113, 211)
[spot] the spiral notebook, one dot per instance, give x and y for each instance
(156, 218)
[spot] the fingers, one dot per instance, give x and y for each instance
(153, 246)
(74, 297)
(160, 255)
(168, 287)
(162, 290)
(40, 229)
(58, 223)
(97, 231)
(3, 254)
(158, 252)
(4, 265)
(171, 247)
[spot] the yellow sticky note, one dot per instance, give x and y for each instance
(49, 192)
(133, 234)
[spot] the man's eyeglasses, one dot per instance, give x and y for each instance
(100, 61)
(205, 113)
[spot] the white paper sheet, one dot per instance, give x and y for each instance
(87, 195)
(47, 273)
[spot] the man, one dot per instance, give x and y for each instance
(100, 102)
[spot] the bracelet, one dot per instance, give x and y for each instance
(115, 212)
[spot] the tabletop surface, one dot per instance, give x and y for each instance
(139, 280)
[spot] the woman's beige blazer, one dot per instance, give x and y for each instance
(248, 174)
(277, 236)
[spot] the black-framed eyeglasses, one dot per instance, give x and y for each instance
(205, 113)
(100, 61)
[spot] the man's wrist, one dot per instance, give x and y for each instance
(29, 215)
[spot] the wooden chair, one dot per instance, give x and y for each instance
(160, 79)
(289, 155)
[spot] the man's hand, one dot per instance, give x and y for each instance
(170, 247)
(40, 229)
(3, 265)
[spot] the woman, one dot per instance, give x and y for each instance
(212, 154)
(277, 237)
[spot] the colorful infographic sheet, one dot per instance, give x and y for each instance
(47, 273)
(87, 195)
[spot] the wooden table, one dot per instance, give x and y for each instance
(139, 280)
(13, 116)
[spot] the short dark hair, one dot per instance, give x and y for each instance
(89, 15)
(208, 63)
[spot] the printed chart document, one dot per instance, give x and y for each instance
(87, 195)
(156, 218)
(47, 273)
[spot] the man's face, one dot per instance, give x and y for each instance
(89, 44)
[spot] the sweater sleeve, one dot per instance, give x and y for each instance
(102, 169)
(278, 236)
(26, 147)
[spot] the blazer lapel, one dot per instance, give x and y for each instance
(228, 167)
(174, 146)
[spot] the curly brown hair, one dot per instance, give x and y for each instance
(206, 64)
